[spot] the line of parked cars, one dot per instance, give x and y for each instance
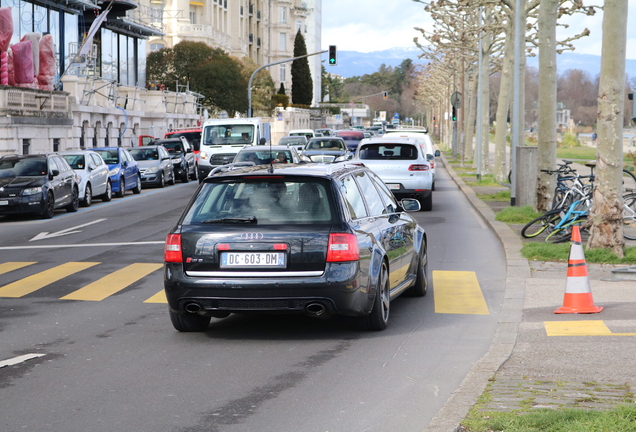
(40, 184)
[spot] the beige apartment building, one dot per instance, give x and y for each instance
(262, 30)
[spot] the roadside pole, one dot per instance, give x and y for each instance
(249, 84)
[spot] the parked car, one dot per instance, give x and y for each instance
(317, 239)
(37, 184)
(352, 138)
(401, 163)
(262, 155)
(124, 172)
(297, 141)
(327, 150)
(183, 158)
(155, 165)
(94, 180)
(425, 140)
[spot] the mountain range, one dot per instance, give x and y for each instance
(354, 63)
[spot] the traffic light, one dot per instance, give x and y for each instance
(454, 115)
(333, 58)
(385, 95)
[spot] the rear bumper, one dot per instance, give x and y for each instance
(338, 289)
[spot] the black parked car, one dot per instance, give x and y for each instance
(183, 157)
(319, 239)
(37, 184)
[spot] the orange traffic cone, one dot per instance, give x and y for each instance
(578, 294)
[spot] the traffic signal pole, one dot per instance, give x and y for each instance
(249, 84)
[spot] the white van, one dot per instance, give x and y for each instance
(309, 133)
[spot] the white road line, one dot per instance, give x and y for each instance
(19, 359)
(82, 245)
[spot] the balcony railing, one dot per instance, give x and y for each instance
(24, 102)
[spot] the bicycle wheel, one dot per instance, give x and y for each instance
(559, 235)
(629, 217)
(629, 182)
(544, 222)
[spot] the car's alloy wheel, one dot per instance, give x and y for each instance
(172, 178)
(74, 204)
(49, 206)
(88, 196)
(108, 195)
(162, 182)
(189, 322)
(122, 188)
(195, 174)
(379, 316)
(137, 189)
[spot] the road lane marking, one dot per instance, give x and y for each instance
(160, 297)
(19, 359)
(458, 292)
(67, 231)
(10, 266)
(82, 245)
(580, 328)
(40, 280)
(113, 283)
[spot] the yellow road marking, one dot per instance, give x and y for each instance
(458, 292)
(160, 297)
(10, 266)
(580, 328)
(113, 283)
(40, 280)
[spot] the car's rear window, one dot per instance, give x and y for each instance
(388, 152)
(269, 201)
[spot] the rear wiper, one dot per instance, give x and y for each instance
(247, 220)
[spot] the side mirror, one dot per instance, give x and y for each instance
(54, 173)
(410, 204)
(429, 157)
(189, 150)
(125, 164)
(437, 153)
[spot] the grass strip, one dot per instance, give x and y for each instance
(539, 251)
(517, 215)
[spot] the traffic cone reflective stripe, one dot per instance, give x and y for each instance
(578, 293)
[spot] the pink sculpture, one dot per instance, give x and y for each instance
(6, 31)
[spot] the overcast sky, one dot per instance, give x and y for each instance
(373, 25)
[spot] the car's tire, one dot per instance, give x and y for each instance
(433, 187)
(122, 188)
(74, 204)
(189, 322)
(421, 282)
(185, 177)
(108, 195)
(172, 179)
(88, 196)
(379, 316)
(49, 206)
(162, 181)
(137, 189)
(427, 203)
(195, 175)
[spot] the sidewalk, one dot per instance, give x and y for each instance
(589, 366)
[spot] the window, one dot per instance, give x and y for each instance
(26, 143)
(283, 15)
(387, 196)
(353, 198)
(282, 42)
(299, 26)
(283, 70)
(370, 193)
(56, 144)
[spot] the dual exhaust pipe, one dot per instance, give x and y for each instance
(312, 309)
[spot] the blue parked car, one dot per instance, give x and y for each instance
(124, 172)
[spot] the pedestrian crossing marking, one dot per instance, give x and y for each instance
(40, 280)
(580, 328)
(160, 297)
(113, 283)
(458, 292)
(10, 266)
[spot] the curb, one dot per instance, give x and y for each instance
(456, 408)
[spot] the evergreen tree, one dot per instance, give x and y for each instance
(281, 90)
(302, 84)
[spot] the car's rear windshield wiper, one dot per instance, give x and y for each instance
(246, 220)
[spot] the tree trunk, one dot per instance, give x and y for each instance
(606, 215)
(503, 108)
(485, 96)
(469, 122)
(547, 101)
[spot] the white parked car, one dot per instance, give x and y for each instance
(424, 138)
(402, 165)
(93, 174)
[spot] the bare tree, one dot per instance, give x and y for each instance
(606, 215)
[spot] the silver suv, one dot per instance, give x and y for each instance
(402, 165)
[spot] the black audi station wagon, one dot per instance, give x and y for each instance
(318, 239)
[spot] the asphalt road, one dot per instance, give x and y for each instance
(117, 364)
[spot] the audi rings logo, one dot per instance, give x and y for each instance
(251, 236)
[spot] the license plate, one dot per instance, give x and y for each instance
(393, 186)
(4, 202)
(253, 259)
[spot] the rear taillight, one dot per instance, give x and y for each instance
(172, 249)
(342, 247)
(432, 164)
(418, 167)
